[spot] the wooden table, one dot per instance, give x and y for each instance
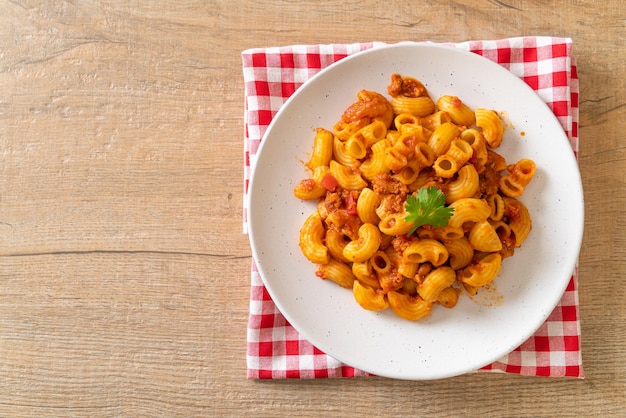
(124, 272)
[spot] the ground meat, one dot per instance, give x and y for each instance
(385, 184)
(422, 271)
(390, 281)
(489, 181)
(405, 86)
(393, 203)
(368, 106)
(346, 224)
(333, 202)
(400, 243)
(438, 183)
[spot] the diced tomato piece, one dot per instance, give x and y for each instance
(329, 182)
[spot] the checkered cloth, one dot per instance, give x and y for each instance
(275, 349)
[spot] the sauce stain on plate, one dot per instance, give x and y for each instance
(488, 296)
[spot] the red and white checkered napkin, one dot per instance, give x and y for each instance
(275, 349)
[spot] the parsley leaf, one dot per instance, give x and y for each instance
(427, 207)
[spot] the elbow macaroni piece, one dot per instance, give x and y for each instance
(496, 202)
(355, 146)
(408, 307)
(519, 219)
(395, 224)
(483, 237)
(343, 130)
(434, 120)
(459, 112)
(520, 174)
(447, 233)
(338, 272)
(365, 246)
(460, 253)
(448, 164)
(363, 273)
(312, 240)
(373, 132)
(478, 143)
(435, 282)
(491, 125)
(381, 263)
(395, 159)
(368, 298)
(406, 119)
(469, 210)
(347, 178)
(426, 251)
(359, 142)
(361, 173)
(442, 137)
(375, 164)
(448, 297)
(310, 189)
(424, 155)
(322, 149)
(417, 106)
(366, 206)
(406, 269)
(335, 242)
(466, 184)
(341, 155)
(483, 271)
(408, 174)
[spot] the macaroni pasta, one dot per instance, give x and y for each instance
(385, 149)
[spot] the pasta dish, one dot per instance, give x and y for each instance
(414, 204)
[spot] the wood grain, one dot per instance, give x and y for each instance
(124, 273)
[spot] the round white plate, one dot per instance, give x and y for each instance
(450, 341)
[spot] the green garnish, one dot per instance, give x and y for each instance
(427, 207)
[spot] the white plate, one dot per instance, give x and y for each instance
(450, 341)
